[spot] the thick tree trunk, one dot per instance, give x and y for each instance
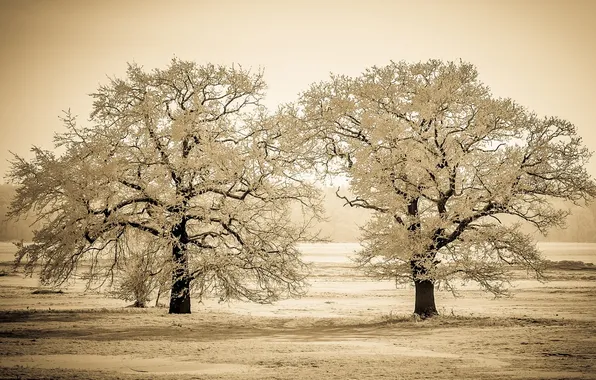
(425, 287)
(425, 299)
(180, 296)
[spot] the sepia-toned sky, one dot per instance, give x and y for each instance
(54, 52)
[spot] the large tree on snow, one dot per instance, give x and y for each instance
(439, 161)
(183, 164)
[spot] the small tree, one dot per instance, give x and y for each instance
(440, 161)
(143, 270)
(188, 158)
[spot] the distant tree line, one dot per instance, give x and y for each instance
(11, 230)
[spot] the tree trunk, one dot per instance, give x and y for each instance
(180, 296)
(157, 298)
(425, 299)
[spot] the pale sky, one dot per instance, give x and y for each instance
(53, 53)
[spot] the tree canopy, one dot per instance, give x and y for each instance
(439, 160)
(184, 162)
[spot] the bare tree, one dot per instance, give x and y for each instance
(188, 158)
(439, 160)
(143, 270)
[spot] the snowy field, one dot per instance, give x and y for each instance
(346, 327)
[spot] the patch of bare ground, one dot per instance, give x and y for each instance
(129, 343)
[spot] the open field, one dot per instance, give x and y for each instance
(347, 327)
